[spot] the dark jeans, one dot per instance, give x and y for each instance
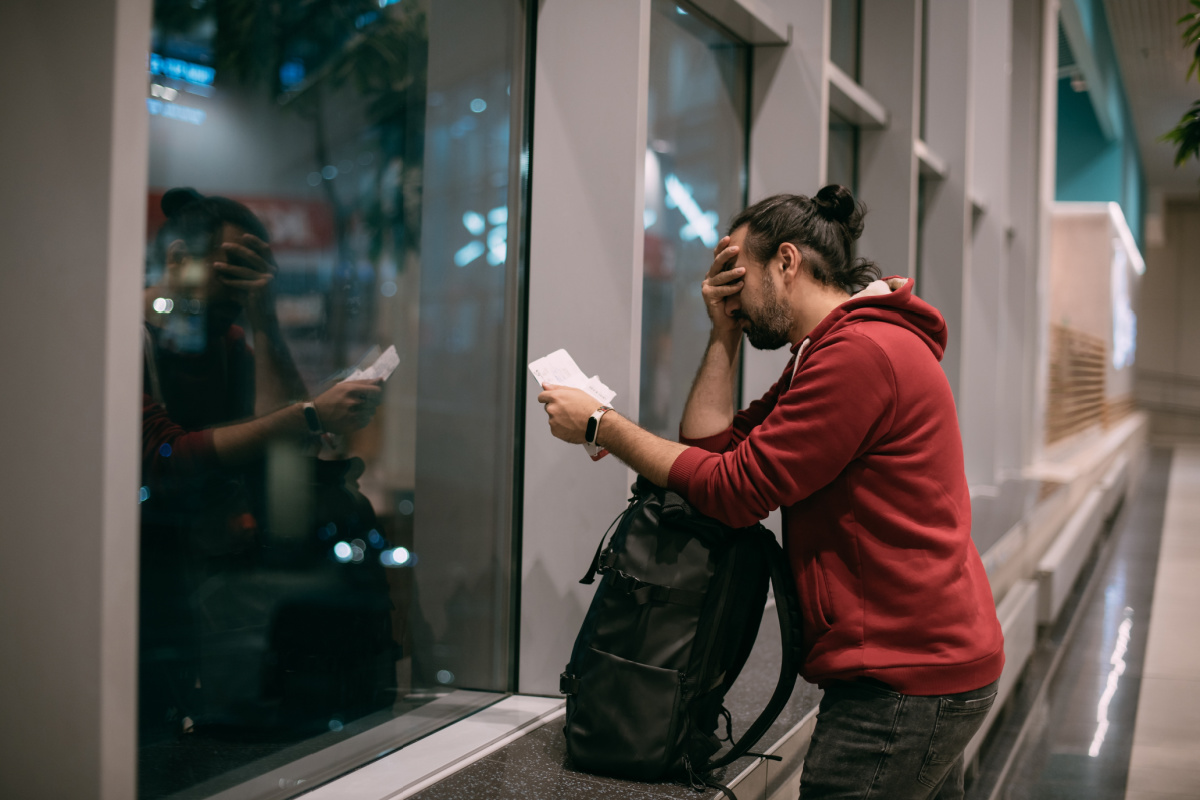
(871, 742)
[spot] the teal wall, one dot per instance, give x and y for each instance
(1089, 165)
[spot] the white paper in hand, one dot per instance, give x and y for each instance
(381, 370)
(560, 369)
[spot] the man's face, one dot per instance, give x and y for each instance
(765, 315)
(195, 278)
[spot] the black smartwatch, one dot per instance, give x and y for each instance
(593, 424)
(312, 419)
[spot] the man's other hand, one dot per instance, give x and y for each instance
(721, 288)
(569, 410)
(348, 406)
(249, 270)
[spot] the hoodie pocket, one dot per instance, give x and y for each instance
(814, 596)
(826, 603)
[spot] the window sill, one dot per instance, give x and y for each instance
(453, 748)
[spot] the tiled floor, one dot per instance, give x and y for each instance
(1165, 761)
(1079, 732)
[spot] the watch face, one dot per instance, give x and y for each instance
(590, 435)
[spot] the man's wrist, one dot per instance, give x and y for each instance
(730, 341)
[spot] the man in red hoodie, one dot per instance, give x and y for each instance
(858, 443)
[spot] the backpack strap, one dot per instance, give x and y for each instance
(598, 564)
(643, 593)
(787, 605)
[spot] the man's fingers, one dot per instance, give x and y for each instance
(237, 271)
(728, 276)
(256, 244)
(720, 260)
(721, 245)
(251, 257)
(721, 292)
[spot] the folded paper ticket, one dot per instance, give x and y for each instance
(560, 369)
(380, 370)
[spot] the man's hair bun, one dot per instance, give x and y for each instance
(175, 200)
(836, 204)
(824, 227)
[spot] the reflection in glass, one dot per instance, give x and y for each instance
(845, 36)
(842, 164)
(924, 186)
(695, 179)
(328, 180)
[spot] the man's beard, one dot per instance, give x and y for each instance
(770, 325)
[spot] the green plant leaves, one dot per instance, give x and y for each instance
(1186, 135)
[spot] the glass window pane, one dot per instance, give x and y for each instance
(846, 35)
(695, 183)
(334, 186)
(842, 164)
(923, 189)
(924, 68)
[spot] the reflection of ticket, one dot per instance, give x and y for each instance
(560, 369)
(381, 370)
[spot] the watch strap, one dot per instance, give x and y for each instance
(312, 419)
(593, 424)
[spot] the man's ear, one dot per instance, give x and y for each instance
(176, 255)
(791, 261)
(184, 271)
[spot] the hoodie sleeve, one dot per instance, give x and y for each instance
(168, 448)
(841, 402)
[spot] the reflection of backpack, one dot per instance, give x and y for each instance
(669, 629)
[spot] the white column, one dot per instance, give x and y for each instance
(948, 210)
(72, 85)
(585, 294)
(1021, 297)
(978, 399)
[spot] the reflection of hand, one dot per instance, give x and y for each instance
(569, 410)
(720, 287)
(249, 271)
(348, 406)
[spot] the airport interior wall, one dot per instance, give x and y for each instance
(961, 191)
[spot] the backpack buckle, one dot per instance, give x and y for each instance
(568, 684)
(607, 560)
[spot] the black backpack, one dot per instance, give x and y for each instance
(671, 625)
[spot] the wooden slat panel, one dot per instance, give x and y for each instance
(1077, 382)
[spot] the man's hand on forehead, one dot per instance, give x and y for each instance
(723, 281)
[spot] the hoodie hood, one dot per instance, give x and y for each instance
(889, 300)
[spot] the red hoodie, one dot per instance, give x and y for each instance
(858, 442)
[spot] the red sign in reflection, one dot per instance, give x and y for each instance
(295, 225)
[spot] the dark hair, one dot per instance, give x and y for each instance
(823, 228)
(197, 220)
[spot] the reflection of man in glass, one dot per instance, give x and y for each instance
(212, 406)
(216, 264)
